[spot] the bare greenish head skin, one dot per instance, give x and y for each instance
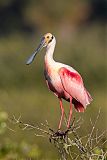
(45, 40)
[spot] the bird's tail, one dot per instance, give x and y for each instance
(78, 106)
(88, 97)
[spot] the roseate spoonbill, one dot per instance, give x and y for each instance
(62, 79)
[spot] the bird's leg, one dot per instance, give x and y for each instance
(70, 113)
(62, 113)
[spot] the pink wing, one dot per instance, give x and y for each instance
(73, 85)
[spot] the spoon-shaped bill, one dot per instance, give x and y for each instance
(32, 57)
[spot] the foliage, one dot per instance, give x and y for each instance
(3, 119)
(80, 29)
(10, 150)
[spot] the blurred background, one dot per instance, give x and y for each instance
(80, 27)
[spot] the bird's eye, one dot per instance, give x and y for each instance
(47, 36)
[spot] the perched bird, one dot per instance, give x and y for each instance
(62, 79)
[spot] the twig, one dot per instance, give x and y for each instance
(94, 125)
(64, 143)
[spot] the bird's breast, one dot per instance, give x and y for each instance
(54, 82)
(53, 77)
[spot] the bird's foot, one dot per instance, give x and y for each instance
(58, 135)
(61, 135)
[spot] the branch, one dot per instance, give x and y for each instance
(65, 141)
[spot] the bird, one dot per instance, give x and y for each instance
(63, 80)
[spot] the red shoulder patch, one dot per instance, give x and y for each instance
(72, 75)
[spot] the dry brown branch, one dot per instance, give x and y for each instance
(66, 141)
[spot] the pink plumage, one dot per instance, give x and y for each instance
(62, 79)
(68, 86)
(73, 85)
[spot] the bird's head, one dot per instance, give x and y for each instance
(46, 40)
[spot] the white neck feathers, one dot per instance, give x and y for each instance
(49, 51)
